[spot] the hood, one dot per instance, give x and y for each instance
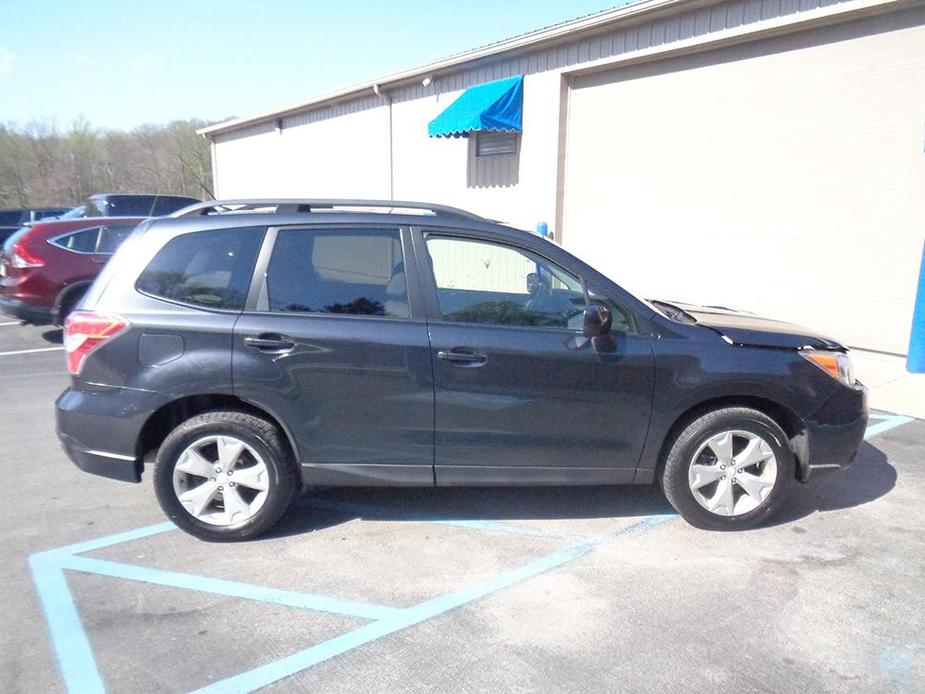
(753, 331)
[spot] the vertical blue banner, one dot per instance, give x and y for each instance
(916, 361)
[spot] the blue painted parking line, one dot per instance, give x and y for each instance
(285, 667)
(78, 665)
(233, 589)
(881, 422)
(68, 638)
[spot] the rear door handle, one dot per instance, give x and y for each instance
(271, 344)
(462, 357)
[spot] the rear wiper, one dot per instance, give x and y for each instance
(674, 312)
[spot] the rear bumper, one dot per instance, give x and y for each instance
(834, 433)
(111, 465)
(99, 429)
(37, 315)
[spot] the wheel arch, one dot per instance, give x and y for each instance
(167, 417)
(785, 418)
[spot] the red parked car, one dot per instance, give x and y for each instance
(46, 268)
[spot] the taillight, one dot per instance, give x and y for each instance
(21, 257)
(84, 331)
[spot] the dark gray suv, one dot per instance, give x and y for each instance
(251, 348)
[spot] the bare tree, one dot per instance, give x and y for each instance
(42, 165)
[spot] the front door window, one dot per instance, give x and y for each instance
(483, 282)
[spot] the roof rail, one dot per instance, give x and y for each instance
(290, 205)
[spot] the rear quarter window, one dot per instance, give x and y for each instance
(211, 269)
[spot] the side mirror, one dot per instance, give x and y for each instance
(597, 320)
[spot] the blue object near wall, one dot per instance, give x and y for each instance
(542, 229)
(916, 361)
(494, 106)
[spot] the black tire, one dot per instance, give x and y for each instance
(265, 438)
(680, 457)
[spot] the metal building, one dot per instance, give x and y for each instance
(767, 155)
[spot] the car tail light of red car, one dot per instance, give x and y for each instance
(85, 331)
(21, 257)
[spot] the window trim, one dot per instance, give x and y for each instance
(257, 302)
(429, 282)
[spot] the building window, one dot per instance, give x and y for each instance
(489, 144)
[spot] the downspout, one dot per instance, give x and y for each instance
(388, 97)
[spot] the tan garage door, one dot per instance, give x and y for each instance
(785, 177)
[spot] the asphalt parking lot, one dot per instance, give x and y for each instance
(567, 590)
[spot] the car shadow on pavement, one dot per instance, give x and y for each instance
(319, 509)
(870, 478)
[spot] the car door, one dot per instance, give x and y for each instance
(335, 345)
(521, 395)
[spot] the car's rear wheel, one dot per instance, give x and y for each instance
(729, 469)
(225, 476)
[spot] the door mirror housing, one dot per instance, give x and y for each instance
(597, 320)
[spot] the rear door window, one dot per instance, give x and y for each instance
(345, 271)
(207, 268)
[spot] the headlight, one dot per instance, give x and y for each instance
(835, 364)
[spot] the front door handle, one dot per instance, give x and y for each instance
(462, 357)
(271, 344)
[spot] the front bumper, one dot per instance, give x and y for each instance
(99, 429)
(833, 434)
(37, 315)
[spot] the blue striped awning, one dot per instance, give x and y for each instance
(494, 106)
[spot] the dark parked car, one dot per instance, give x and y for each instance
(280, 344)
(46, 268)
(13, 220)
(125, 205)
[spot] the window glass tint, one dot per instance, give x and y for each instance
(83, 241)
(165, 205)
(481, 282)
(10, 218)
(121, 206)
(358, 272)
(206, 268)
(47, 212)
(112, 236)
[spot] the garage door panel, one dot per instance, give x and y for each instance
(784, 177)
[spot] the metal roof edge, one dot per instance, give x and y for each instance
(529, 40)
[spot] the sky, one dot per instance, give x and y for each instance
(124, 63)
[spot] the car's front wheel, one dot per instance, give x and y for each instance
(225, 476)
(729, 469)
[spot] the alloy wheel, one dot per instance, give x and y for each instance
(221, 480)
(733, 472)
